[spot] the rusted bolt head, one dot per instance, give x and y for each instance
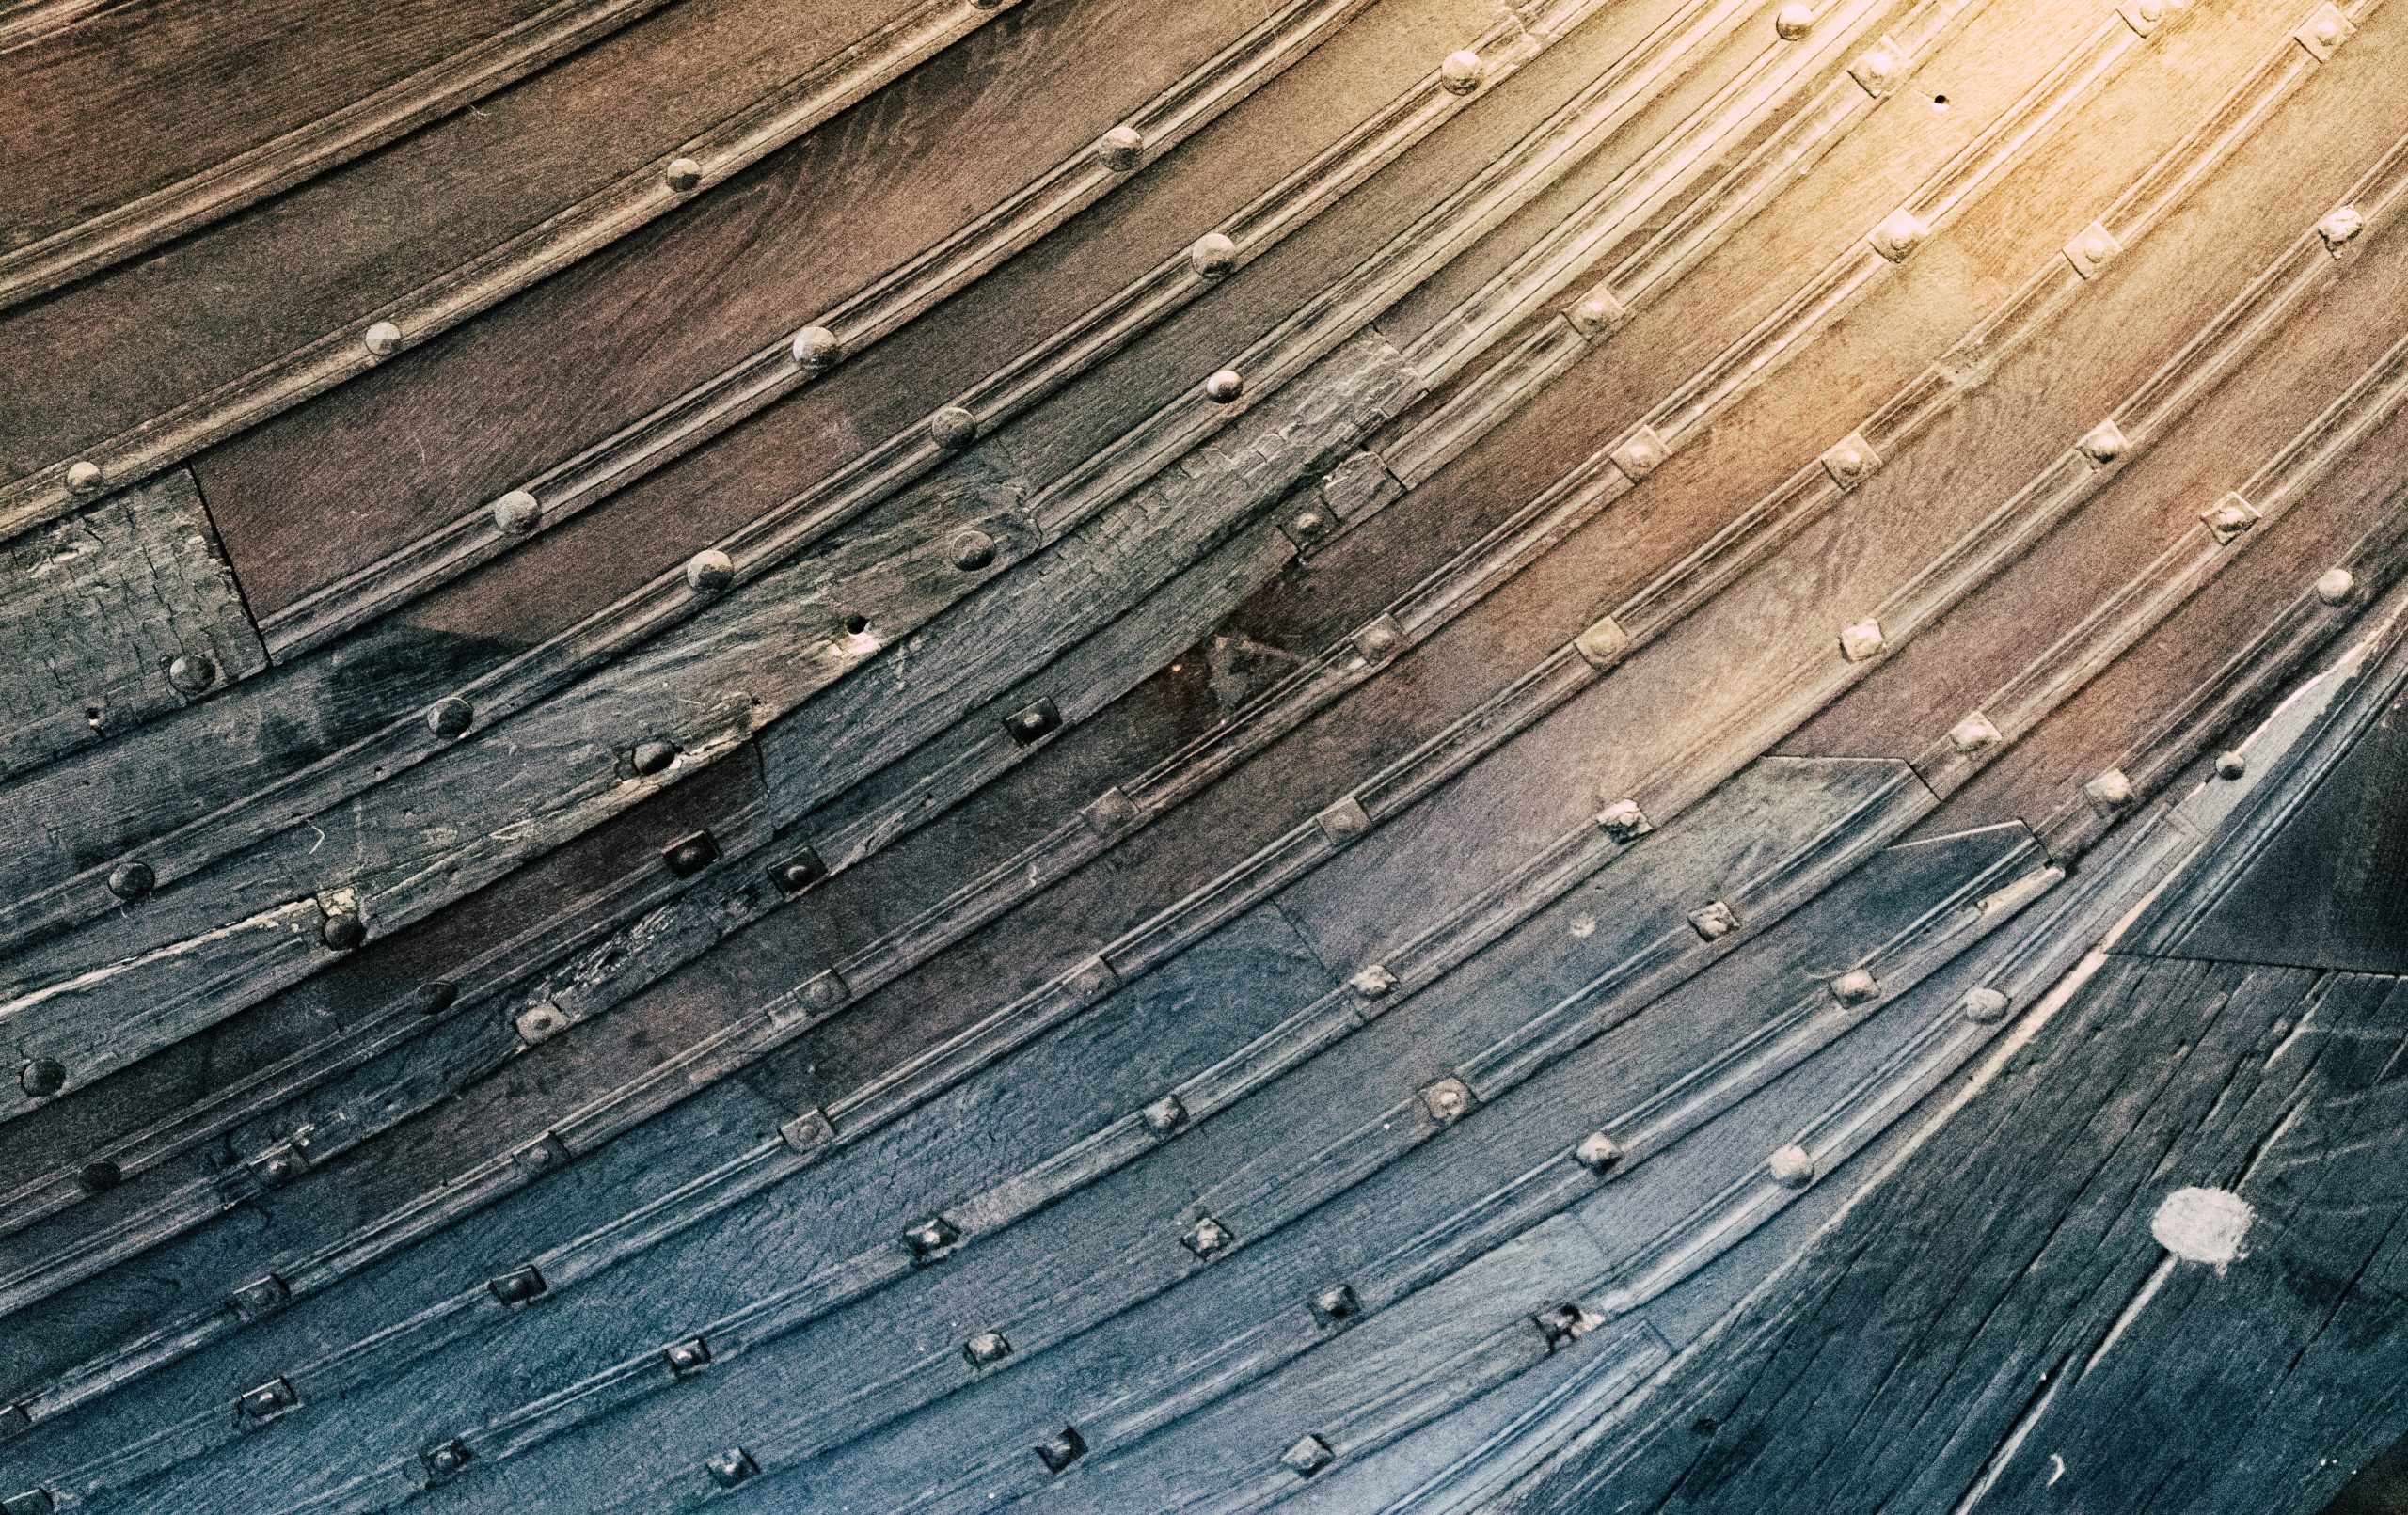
(709, 571)
(1212, 256)
(41, 1078)
(82, 476)
(653, 755)
(343, 931)
(450, 715)
(192, 673)
(132, 880)
(682, 174)
(517, 514)
(972, 549)
(953, 428)
(1224, 386)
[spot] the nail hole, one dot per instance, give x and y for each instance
(1940, 103)
(856, 625)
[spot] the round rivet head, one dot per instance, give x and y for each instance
(343, 931)
(1984, 1004)
(682, 174)
(1462, 72)
(710, 570)
(192, 673)
(651, 757)
(971, 550)
(1793, 21)
(1212, 256)
(436, 996)
(450, 715)
(2232, 764)
(1792, 1167)
(816, 348)
(1119, 148)
(2328, 30)
(100, 1178)
(81, 477)
(2334, 585)
(517, 514)
(1224, 386)
(953, 428)
(41, 1078)
(382, 339)
(2152, 12)
(132, 880)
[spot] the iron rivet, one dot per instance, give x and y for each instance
(260, 1295)
(954, 428)
(540, 1022)
(1855, 986)
(2091, 249)
(1983, 1005)
(809, 1132)
(517, 514)
(1877, 72)
(343, 931)
(445, 1462)
(451, 716)
(192, 673)
(1212, 256)
(816, 348)
(1714, 921)
(971, 550)
(686, 1356)
(518, 1285)
(541, 1156)
(1974, 733)
(2102, 444)
(826, 991)
(1336, 1304)
(1378, 640)
(682, 174)
(1792, 1167)
(1462, 72)
(799, 872)
(2232, 764)
(1899, 235)
(1209, 1239)
(83, 476)
(652, 756)
(2111, 791)
(436, 997)
(1308, 1456)
(1565, 1322)
(1120, 149)
(1449, 1101)
(42, 1077)
(269, 1400)
(930, 1238)
(279, 1166)
(1862, 641)
(729, 1468)
(1165, 1116)
(1059, 1451)
(1598, 314)
(1640, 453)
(132, 880)
(1344, 822)
(2229, 517)
(1622, 821)
(1793, 21)
(1374, 982)
(1597, 1152)
(689, 856)
(985, 1347)
(709, 571)
(1224, 386)
(2334, 585)
(382, 339)
(1033, 722)
(1851, 461)
(1603, 644)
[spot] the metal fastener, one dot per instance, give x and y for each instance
(1225, 386)
(1974, 733)
(1344, 822)
(1862, 641)
(382, 339)
(1212, 256)
(2334, 585)
(1120, 149)
(1165, 1116)
(985, 1347)
(445, 1463)
(98, 1177)
(729, 1468)
(1598, 314)
(1879, 71)
(709, 571)
(1713, 920)
(1374, 982)
(518, 1285)
(1058, 1451)
(929, 1239)
(2232, 764)
(2143, 16)
(192, 673)
(690, 854)
(1565, 1322)
(2229, 517)
(652, 756)
(261, 1296)
(683, 174)
(970, 550)
(1309, 526)
(2102, 444)
(343, 931)
(42, 1077)
(799, 872)
(1900, 233)
(816, 348)
(1462, 72)
(1983, 1005)
(435, 996)
(2092, 249)
(953, 428)
(1640, 453)
(269, 1400)
(1793, 21)
(1597, 1152)
(1449, 1099)
(451, 716)
(1622, 821)
(2109, 792)
(689, 1356)
(1033, 722)
(1308, 1456)
(1110, 813)
(541, 1156)
(1209, 1238)
(1855, 986)
(1603, 644)
(1792, 1167)
(1851, 461)
(808, 1132)
(279, 1164)
(1379, 640)
(132, 879)
(2327, 29)
(1336, 1304)
(517, 514)
(83, 476)
(540, 1022)
(1093, 979)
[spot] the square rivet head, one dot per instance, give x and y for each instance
(1448, 1101)
(1336, 1303)
(2102, 444)
(1310, 527)
(1713, 921)
(1344, 822)
(1640, 453)
(729, 1468)
(261, 1296)
(824, 991)
(1880, 69)
(799, 872)
(1380, 640)
(692, 1356)
(269, 1400)
(1374, 982)
(32, 1502)
(540, 1157)
(928, 1238)
(1900, 233)
(808, 1132)
(2230, 518)
(2144, 16)
(1603, 644)
(1165, 1116)
(2109, 792)
(1855, 986)
(1974, 733)
(1061, 1449)
(2323, 31)
(540, 1022)
(1033, 722)
(518, 1285)
(2092, 249)
(1597, 1152)
(1109, 813)
(1093, 979)
(1598, 314)
(1861, 641)
(1622, 821)
(2339, 228)
(1308, 1456)
(1208, 1238)
(1851, 461)
(445, 1463)
(985, 1347)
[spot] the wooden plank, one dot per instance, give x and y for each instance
(122, 612)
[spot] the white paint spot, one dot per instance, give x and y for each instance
(2202, 1225)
